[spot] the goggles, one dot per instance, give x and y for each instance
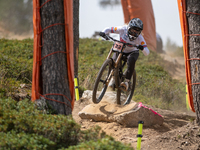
(134, 32)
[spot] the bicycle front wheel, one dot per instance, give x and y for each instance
(101, 83)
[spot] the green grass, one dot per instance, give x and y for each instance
(22, 126)
(16, 61)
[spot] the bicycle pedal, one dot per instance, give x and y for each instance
(123, 89)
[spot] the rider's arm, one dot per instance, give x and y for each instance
(117, 30)
(143, 43)
(146, 51)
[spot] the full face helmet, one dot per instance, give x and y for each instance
(135, 27)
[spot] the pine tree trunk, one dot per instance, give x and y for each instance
(194, 51)
(54, 67)
(76, 34)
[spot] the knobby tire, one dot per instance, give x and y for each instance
(107, 66)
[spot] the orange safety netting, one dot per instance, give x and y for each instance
(185, 35)
(142, 9)
(36, 85)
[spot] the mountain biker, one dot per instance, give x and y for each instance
(130, 33)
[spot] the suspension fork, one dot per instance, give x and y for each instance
(118, 58)
(115, 64)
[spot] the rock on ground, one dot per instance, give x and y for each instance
(128, 115)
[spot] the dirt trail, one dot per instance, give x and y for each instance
(174, 130)
(178, 131)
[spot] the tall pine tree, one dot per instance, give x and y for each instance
(194, 50)
(54, 67)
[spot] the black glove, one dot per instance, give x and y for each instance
(103, 35)
(140, 47)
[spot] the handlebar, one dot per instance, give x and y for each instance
(127, 44)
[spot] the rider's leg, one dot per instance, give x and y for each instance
(131, 59)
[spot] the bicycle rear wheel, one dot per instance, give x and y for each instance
(124, 97)
(101, 84)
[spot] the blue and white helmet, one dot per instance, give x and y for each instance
(135, 27)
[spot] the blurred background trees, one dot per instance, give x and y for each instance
(16, 16)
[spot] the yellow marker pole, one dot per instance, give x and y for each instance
(76, 88)
(139, 136)
(187, 104)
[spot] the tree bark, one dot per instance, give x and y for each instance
(54, 67)
(194, 51)
(76, 34)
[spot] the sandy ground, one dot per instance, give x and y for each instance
(178, 131)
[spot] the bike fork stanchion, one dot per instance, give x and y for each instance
(76, 88)
(139, 136)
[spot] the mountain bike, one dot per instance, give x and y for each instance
(117, 69)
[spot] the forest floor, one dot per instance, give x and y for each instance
(178, 132)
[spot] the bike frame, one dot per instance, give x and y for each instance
(120, 49)
(115, 62)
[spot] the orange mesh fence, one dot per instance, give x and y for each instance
(36, 85)
(142, 9)
(185, 34)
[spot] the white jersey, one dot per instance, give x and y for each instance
(122, 31)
